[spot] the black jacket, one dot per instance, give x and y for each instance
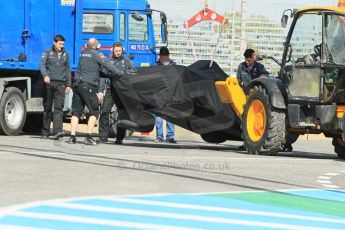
(121, 63)
(56, 67)
(91, 62)
(245, 76)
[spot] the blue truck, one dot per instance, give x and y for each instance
(28, 27)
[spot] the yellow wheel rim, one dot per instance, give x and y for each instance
(256, 121)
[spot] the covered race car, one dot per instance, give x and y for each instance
(185, 96)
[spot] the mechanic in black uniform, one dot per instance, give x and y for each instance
(87, 92)
(124, 64)
(56, 72)
(250, 69)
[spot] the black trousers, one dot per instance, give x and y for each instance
(55, 95)
(110, 99)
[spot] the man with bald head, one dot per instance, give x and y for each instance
(91, 62)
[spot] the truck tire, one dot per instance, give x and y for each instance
(263, 126)
(12, 112)
(214, 137)
(113, 124)
(33, 123)
(339, 147)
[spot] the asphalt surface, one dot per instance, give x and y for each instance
(32, 169)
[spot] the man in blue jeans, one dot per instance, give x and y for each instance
(164, 59)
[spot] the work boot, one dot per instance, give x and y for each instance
(287, 148)
(242, 148)
(58, 136)
(118, 142)
(72, 140)
(89, 140)
(171, 141)
(102, 140)
(44, 136)
(159, 140)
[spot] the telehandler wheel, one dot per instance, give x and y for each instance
(214, 137)
(12, 112)
(339, 147)
(263, 126)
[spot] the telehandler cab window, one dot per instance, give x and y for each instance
(96, 23)
(306, 39)
(334, 49)
(138, 28)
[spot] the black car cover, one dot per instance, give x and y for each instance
(185, 96)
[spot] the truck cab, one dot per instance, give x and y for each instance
(30, 26)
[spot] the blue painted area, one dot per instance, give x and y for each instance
(128, 217)
(51, 224)
(218, 214)
(200, 200)
(231, 203)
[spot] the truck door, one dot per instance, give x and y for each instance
(140, 40)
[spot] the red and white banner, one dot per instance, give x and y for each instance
(205, 15)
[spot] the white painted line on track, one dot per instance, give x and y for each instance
(330, 186)
(324, 181)
(226, 210)
(324, 178)
(332, 174)
(14, 208)
(96, 221)
(156, 214)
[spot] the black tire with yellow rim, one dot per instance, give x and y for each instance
(263, 126)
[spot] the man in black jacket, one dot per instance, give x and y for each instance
(56, 72)
(124, 64)
(87, 92)
(250, 69)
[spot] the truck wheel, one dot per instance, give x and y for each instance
(12, 112)
(339, 147)
(263, 126)
(113, 124)
(214, 137)
(33, 123)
